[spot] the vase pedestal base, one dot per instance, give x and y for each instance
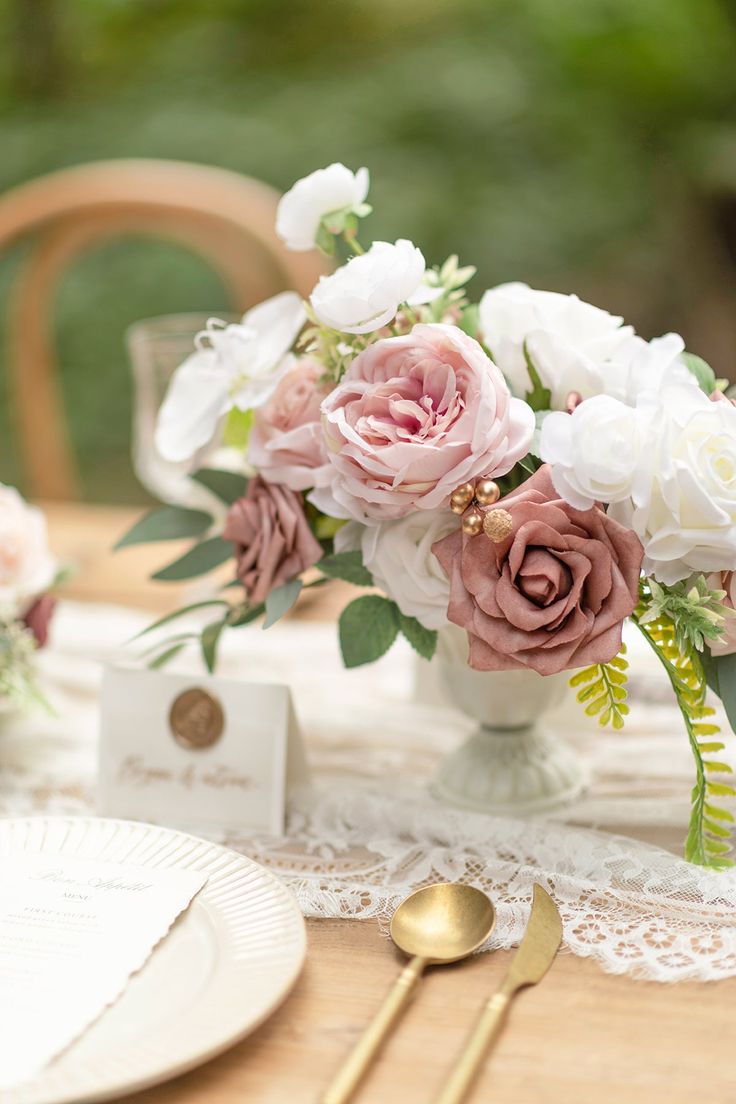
(512, 771)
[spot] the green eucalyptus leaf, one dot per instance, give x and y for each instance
(201, 558)
(226, 485)
(164, 657)
(368, 628)
(166, 523)
(180, 613)
(209, 640)
(281, 600)
(347, 566)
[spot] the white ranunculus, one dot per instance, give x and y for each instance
(599, 452)
(237, 365)
(27, 568)
(399, 556)
(366, 293)
(332, 192)
(685, 513)
(568, 341)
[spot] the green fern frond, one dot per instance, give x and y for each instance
(709, 837)
(601, 690)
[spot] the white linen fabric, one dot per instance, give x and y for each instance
(369, 832)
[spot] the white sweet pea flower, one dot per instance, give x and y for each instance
(237, 365)
(568, 341)
(27, 568)
(599, 452)
(326, 196)
(399, 556)
(684, 513)
(366, 293)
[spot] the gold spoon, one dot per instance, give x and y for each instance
(438, 924)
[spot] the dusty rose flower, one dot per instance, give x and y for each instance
(286, 442)
(553, 594)
(272, 537)
(413, 418)
(38, 618)
(725, 580)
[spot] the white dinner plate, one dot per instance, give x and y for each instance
(224, 967)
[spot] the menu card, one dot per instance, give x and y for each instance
(72, 931)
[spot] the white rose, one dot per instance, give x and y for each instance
(568, 341)
(237, 365)
(685, 512)
(399, 556)
(599, 452)
(334, 192)
(366, 293)
(27, 568)
(641, 367)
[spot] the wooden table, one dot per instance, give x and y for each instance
(581, 1037)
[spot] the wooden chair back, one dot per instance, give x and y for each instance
(226, 218)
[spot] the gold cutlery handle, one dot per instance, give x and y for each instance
(468, 1064)
(350, 1073)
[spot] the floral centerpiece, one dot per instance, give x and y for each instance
(27, 572)
(525, 467)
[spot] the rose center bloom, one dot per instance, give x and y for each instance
(542, 577)
(411, 408)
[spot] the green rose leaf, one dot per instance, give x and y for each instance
(201, 558)
(166, 523)
(280, 601)
(227, 486)
(423, 641)
(704, 374)
(725, 666)
(347, 566)
(368, 628)
(539, 397)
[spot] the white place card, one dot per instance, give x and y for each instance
(204, 754)
(72, 931)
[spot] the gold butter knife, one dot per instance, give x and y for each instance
(535, 955)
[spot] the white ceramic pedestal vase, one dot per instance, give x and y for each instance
(513, 762)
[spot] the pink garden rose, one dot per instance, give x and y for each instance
(413, 418)
(286, 443)
(553, 594)
(272, 537)
(725, 580)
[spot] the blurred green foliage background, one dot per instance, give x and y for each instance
(585, 145)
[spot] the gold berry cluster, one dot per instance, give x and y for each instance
(467, 501)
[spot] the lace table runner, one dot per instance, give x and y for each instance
(368, 832)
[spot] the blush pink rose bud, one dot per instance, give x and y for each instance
(38, 618)
(273, 541)
(286, 442)
(553, 595)
(415, 417)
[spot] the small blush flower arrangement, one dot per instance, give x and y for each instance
(525, 467)
(27, 573)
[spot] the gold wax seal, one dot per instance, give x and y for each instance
(196, 719)
(497, 525)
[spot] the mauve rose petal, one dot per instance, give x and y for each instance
(273, 541)
(553, 595)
